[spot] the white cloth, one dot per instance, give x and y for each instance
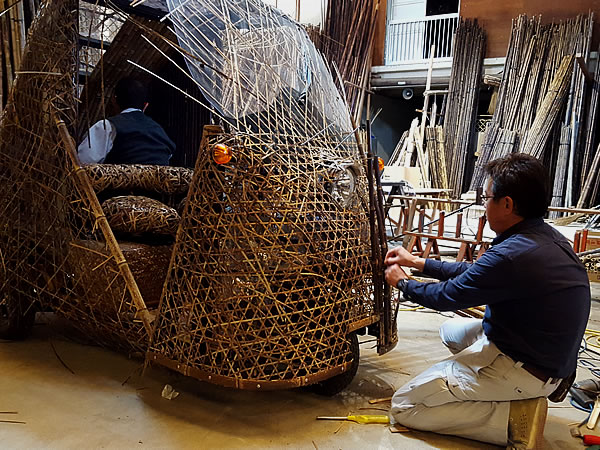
(99, 141)
(468, 394)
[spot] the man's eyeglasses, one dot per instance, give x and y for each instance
(485, 198)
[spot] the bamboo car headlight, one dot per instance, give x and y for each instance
(344, 186)
(222, 154)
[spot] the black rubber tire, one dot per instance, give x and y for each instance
(338, 383)
(16, 318)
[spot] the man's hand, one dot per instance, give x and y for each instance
(393, 274)
(403, 257)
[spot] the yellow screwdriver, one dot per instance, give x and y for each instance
(363, 418)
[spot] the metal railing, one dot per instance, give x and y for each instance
(412, 40)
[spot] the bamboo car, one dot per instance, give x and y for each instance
(251, 270)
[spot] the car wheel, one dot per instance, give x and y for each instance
(16, 318)
(338, 383)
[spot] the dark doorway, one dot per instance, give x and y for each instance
(437, 7)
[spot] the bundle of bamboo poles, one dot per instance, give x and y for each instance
(581, 41)
(15, 19)
(533, 91)
(437, 157)
(562, 161)
(534, 139)
(346, 40)
(461, 103)
(591, 160)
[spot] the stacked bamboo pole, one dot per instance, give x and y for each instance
(462, 101)
(591, 180)
(15, 19)
(590, 163)
(562, 162)
(535, 139)
(437, 157)
(588, 155)
(574, 113)
(531, 96)
(347, 41)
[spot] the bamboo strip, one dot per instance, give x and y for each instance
(86, 186)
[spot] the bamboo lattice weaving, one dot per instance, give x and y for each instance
(52, 251)
(252, 271)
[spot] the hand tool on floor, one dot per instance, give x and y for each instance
(363, 418)
(588, 439)
(380, 400)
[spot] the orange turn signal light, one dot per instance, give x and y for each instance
(222, 154)
(381, 164)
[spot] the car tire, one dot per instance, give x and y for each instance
(338, 383)
(16, 318)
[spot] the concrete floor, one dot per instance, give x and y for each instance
(105, 403)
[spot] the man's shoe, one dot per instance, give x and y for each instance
(526, 423)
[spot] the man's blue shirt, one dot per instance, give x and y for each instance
(536, 291)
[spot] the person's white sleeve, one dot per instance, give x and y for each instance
(97, 143)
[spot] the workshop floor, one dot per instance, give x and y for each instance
(106, 404)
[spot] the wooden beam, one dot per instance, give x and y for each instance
(380, 31)
(584, 69)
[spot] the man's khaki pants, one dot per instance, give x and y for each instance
(468, 394)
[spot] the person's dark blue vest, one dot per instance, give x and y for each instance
(139, 140)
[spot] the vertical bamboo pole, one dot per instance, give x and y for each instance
(6, 40)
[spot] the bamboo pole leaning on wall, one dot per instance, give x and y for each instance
(463, 97)
(581, 42)
(588, 154)
(535, 139)
(562, 162)
(534, 57)
(590, 164)
(13, 31)
(346, 39)
(437, 157)
(591, 180)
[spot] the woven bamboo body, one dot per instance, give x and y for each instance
(270, 271)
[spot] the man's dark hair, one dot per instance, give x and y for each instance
(130, 93)
(522, 178)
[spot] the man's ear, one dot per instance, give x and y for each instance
(509, 204)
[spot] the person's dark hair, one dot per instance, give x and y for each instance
(130, 93)
(522, 178)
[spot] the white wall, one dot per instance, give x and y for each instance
(310, 10)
